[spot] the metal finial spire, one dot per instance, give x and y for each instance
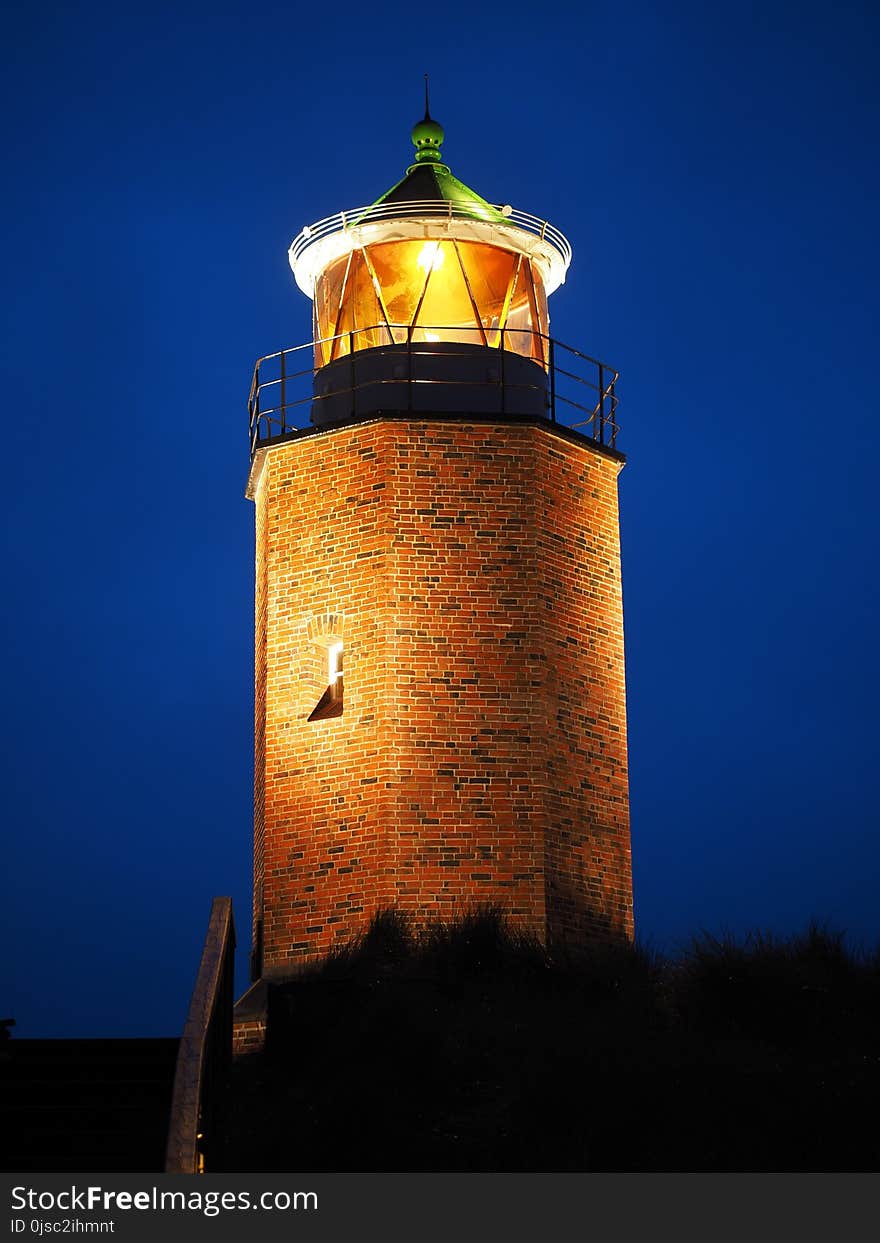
(427, 135)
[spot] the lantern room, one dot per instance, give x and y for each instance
(428, 288)
(430, 283)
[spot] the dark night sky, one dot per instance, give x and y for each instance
(715, 168)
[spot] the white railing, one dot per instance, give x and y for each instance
(426, 210)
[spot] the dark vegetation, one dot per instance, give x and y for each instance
(472, 1048)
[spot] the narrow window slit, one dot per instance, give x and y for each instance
(330, 703)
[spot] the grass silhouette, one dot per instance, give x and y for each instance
(469, 1046)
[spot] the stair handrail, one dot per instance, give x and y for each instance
(205, 1047)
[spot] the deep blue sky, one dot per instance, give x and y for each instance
(715, 167)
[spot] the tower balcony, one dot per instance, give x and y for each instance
(402, 371)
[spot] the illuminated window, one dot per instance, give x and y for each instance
(330, 703)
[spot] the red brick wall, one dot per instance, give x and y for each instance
(481, 754)
(260, 633)
(579, 611)
(248, 1036)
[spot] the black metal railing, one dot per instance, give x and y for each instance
(579, 390)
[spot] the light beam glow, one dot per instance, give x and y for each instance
(430, 257)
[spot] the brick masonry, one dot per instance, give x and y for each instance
(480, 757)
(248, 1036)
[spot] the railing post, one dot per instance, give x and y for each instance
(601, 405)
(351, 364)
(409, 380)
(552, 355)
(503, 394)
(283, 392)
(255, 414)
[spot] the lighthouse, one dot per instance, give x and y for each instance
(440, 715)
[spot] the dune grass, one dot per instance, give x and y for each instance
(469, 1046)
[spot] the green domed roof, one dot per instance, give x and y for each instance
(429, 180)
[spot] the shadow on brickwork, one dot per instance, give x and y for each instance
(473, 1048)
(571, 919)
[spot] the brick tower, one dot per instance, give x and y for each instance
(440, 707)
